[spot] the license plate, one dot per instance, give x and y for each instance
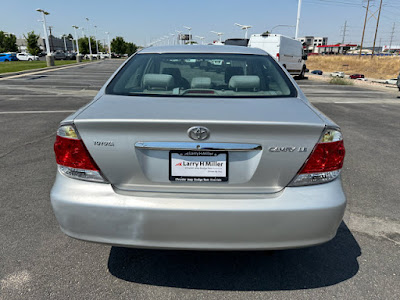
(198, 166)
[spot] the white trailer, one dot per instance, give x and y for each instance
(287, 51)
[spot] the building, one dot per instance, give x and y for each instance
(335, 49)
(311, 43)
(54, 42)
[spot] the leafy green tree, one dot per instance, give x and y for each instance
(8, 43)
(2, 39)
(32, 43)
(84, 45)
(118, 45)
(130, 48)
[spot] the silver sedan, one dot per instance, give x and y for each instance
(177, 151)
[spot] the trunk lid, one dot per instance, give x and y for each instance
(130, 139)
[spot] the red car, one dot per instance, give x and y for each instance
(355, 76)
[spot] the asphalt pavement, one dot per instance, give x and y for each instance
(37, 261)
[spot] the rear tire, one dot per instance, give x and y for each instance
(6, 60)
(303, 72)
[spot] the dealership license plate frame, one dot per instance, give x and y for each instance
(199, 153)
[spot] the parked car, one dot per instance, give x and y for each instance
(398, 81)
(27, 57)
(338, 74)
(70, 55)
(356, 76)
(317, 72)
(8, 57)
(59, 55)
(166, 158)
(391, 81)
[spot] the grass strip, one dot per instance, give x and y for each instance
(16, 66)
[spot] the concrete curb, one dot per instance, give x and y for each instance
(5, 75)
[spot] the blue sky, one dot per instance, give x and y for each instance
(146, 20)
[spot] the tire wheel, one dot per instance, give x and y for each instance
(6, 60)
(303, 71)
(30, 59)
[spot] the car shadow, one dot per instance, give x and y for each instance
(312, 267)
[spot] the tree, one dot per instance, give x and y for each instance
(84, 45)
(118, 45)
(130, 48)
(8, 43)
(32, 43)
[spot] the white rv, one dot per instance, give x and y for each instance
(287, 51)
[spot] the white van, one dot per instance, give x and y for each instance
(285, 50)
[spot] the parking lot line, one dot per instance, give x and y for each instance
(36, 112)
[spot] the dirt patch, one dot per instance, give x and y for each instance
(377, 67)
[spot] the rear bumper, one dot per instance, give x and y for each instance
(295, 217)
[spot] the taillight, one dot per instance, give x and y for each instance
(72, 157)
(325, 162)
(277, 56)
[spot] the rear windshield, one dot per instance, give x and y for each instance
(202, 75)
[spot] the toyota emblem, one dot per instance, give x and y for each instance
(198, 133)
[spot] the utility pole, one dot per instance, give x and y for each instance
(391, 36)
(365, 23)
(298, 20)
(344, 31)
(376, 31)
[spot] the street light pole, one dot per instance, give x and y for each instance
(179, 36)
(97, 44)
(49, 57)
(90, 45)
(65, 43)
(244, 27)
(109, 45)
(298, 20)
(78, 56)
(219, 35)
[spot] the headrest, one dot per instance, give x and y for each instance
(175, 72)
(232, 71)
(244, 82)
(201, 83)
(164, 81)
